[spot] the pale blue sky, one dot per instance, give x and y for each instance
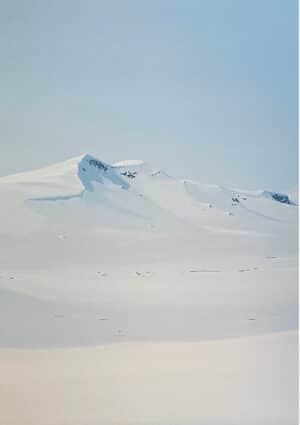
(204, 89)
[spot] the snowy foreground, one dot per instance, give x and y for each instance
(128, 297)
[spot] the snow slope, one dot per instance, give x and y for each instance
(131, 193)
(95, 253)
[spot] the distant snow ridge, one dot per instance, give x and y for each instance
(275, 196)
(145, 189)
(279, 197)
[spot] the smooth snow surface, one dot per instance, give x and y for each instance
(242, 381)
(130, 297)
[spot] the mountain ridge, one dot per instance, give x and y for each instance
(90, 169)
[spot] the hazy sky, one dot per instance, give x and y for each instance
(206, 89)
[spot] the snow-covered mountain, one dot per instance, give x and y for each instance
(79, 200)
(133, 194)
(93, 254)
(76, 200)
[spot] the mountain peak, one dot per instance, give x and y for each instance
(129, 163)
(91, 169)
